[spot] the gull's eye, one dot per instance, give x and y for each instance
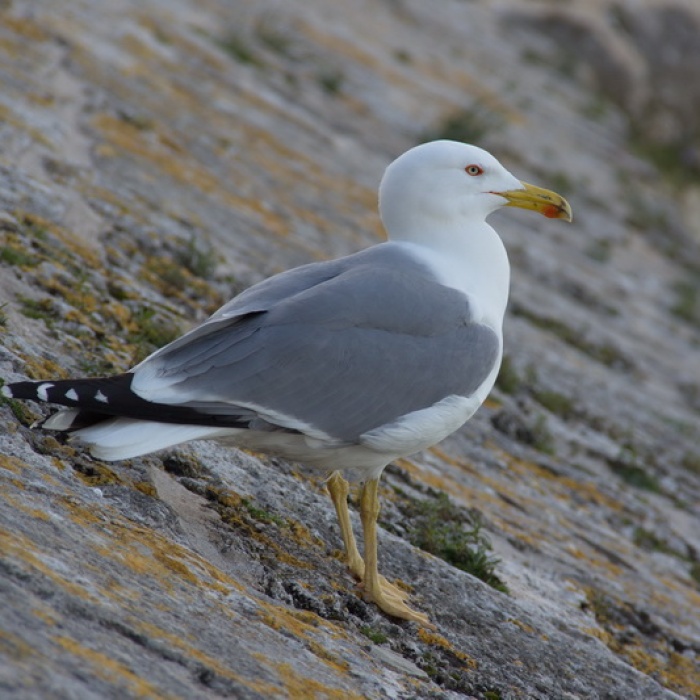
(474, 170)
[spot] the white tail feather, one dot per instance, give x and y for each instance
(62, 420)
(125, 438)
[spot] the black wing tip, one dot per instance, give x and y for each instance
(68, 392)
(89, 401)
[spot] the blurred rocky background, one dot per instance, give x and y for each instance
(156, 157)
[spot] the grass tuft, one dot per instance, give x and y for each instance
(627, 468)
(444, 529)
(374, 635)
(199, 260)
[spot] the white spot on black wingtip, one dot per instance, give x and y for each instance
(6, 391)
(99, 396)
(42, 391)
(72, 394)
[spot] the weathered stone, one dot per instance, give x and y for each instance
(156, 158)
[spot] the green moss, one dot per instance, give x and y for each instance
(542, 438)
(470, 125)
(41, 309)
(554, 402)
(508, 380)
(12, 256)
(695, 572)
(650, 541)
(138, 121)
(199, 260)
(32, 226)
(272, 36)
(642, 214)
(687, 303)
(691, 462)
(171, 273)
(604, 353)
(331, 80)
(95, 366)
(374, 635)
(666, 157)
(19, 410)
(560, 182)
(600, 250)
(239, 48)
(444, 529)
(153, 332)
(262, 515)
(627, 468)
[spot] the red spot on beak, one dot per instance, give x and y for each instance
(551, 212)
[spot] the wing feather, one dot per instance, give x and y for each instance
(344, 347)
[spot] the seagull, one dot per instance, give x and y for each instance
(343, 365)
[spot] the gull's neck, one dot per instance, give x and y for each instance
(469, 258)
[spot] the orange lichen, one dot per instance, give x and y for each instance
(301, 687)
(111, 670)
(438, 640)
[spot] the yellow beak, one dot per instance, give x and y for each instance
(546, 202)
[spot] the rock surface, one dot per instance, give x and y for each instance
(156, 157)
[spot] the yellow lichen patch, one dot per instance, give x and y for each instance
(72, 252)
(438, 640)
(146, 552)
(303, 535)
(522, 625)
(178, 642)
(301, 687)
(653, 655)
(147, 488)
(127, 137)
(98, 474)
(444, 457)
(58, 451)
(13, 464)
(82, 515)
(82, 301)
(38, 367)
(111, 670)
(675, 671)
(443, 482)
(301, 624)
(59, 464)
(176, 566)
(15, 648)
(47, 615)
(595, 559)
(175, 281)
(234, 517)
(9, 117)
(36, 513)
(23, 549)
(682, 674)
(330, 659)
(24, 27)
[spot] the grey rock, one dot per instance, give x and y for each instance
(156, 158)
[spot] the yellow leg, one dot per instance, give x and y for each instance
(377, 590)
(338, 489)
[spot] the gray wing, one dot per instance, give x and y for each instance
(344, 347)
